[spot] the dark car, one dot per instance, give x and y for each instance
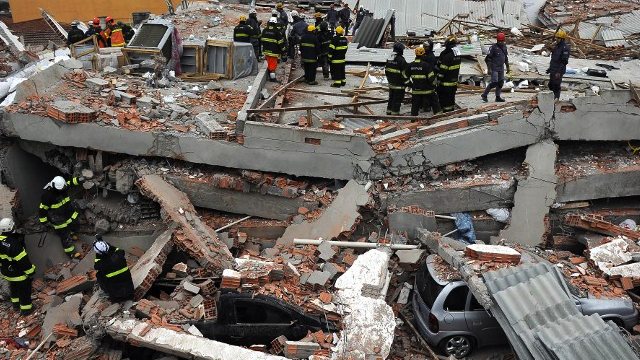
(449, 316)
(247, 319)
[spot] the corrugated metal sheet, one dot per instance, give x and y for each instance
(368, 32)
(613, 38)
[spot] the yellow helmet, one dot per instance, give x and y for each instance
(311, 28)
(279, 5)
(243, 18)
(451, 40)
(339, 30)
(561, 34)
(419, 51)
(317, 15)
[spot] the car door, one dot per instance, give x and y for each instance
(480, 323)
(258, 322)
(453, 309)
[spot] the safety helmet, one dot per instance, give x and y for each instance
(428, 45)
(243, 18)
(273, 20)
(324, 26)
(96, 21)
(451, 41)
(75, 23)
(58, 183)
(317, 15)
(7, 225)
(274, 12)
(561, 34)
(339, 30)
(279, 5)
(294, 13)
(100, 247)
(108, 19)
(501, 37)
(398, 47)
(311, 28)
(419, 51)
(253, 11)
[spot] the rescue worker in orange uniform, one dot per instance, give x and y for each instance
(115, 36)
(97, 31)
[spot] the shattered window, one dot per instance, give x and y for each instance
(252, 312)
(457, 299)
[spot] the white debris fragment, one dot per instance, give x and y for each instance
(611, 254)
(499, 214)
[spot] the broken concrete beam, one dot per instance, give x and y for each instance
(493, 253)
(194, 236)
(453, 124)
(210, 127)
(534, 196)
(183, 345)
(81, 348)
(597, 224)
(96, 84)
(407, 219)
(147, 269)
(613, 183)
(340, 216)
(65, 313)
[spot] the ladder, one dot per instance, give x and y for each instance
(54, 25)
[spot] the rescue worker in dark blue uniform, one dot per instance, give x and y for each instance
(497, 59)
(423, 94)
(448, 68)
(558, 65)
(396, 72)
(309, 51)
(113, 274)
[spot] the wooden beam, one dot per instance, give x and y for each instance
(318, 107)
(275, 94)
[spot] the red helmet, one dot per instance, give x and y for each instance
(501, 37)
(110, 19)
(96, 21)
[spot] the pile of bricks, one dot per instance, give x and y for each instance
(70, 112)
(300, 349)
(231, 279)
(224, 181)
(61, 330)
(492, 253)
(597, 224)
(412, 209)
(74, 284)
(278, 344)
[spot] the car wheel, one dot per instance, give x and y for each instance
(459, 346)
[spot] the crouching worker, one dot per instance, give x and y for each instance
(113, 273)
(15, 266)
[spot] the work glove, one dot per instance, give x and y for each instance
(548, 71)
(81, 179)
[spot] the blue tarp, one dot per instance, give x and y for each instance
(464, 223)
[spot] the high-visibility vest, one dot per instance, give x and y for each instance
(117, 38)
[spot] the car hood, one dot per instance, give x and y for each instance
(620, 307)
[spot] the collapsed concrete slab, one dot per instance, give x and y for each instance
(369, 325)
(62, 313)
(534, 196)
(193, 235)
(340, 216)
(140, 333)
(147, 269)
(620, 182)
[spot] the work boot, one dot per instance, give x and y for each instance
(499, 99)
(484, 98)
(335, 85)
(388, 112)
(26, 312)
(313, 83)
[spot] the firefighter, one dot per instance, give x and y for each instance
(242, 32)
(396, 72)
(15, 266)
(127, 31)
(448, 68)
(96, 30)
(298, 30)
(429, 56)
(318, 19)
(423, 79)
(324, 36)
(75, 34)
(360, 15)
(273, 47)
(283, 17)
(57, 210)
(114, 34)
(309, 51)
(345, 17)
(558, 64)
(496, 61)
(255, 33)
(112, 272)
(337, 53)
(332, 17)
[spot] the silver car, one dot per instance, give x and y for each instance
(451, 319)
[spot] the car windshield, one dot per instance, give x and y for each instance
(428, 288)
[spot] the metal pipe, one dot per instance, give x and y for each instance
(353, 244)
(445, 217)
(233, 223)
(449, 233)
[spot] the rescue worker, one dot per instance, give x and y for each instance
(298, 30)
(362, 12)
(337, 54)
(96, 30)
(332, 17)
(15, 266)
(127, 31)
(112, 272)
(318, 19)
(282, 28)
(273, 46)
(429, 56)
(57, 210)
(423, 79)
(496, 61)
(283, 17)
(75, 34)
(309, 51)
(255, 33)
(324, 36)
(242, 32)
(558, 64)
(396, 72)
(448, 68)
(114, 34)
(345, 17)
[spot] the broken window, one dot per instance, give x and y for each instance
(457, 299)
(474, 305)
(252, 312)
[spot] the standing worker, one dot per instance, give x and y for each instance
(298, 29)
(255, 32)
(332, 17)
(242, 31)
(309, 50)
(318, 19)
(448, 68)
(337, 54)
(558, 64)
(112, 272)
(75, 34)
(283, 17)
(345, 17)
(273, 46)
(423, 79)
(127, 31)
(114, 34)
(429, 56)
(362, 12)
(15, 266)
(324, 36)
(496, 61)
(396, 72)
(96, 30)
(57, 210)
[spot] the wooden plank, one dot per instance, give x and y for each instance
(402, 117)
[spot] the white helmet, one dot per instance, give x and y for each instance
(294, 13)
(100, 247)
(274, 12)
(273, 20)
(253, 11)
(58, 182)
(7, 225)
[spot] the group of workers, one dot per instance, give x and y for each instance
(58, 211)
(115, 34)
